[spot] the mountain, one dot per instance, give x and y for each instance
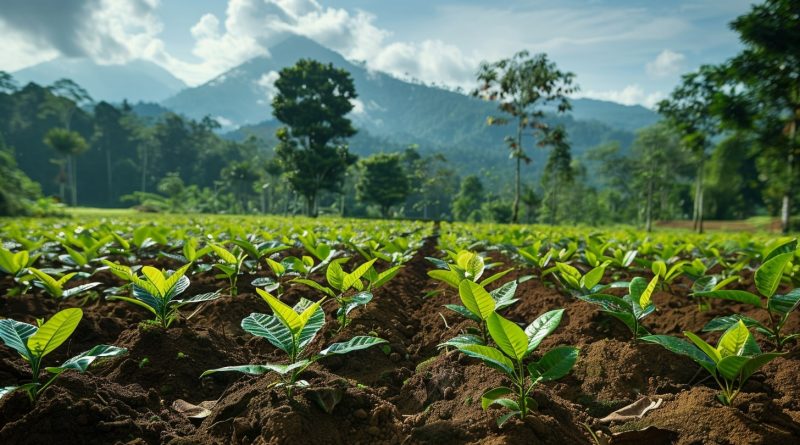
(400, 113)
(137, 80)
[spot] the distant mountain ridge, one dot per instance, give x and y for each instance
(135, 81)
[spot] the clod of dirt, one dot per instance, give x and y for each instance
(80, 408)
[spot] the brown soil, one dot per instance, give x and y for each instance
(410, 393)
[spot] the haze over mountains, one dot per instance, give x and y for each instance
(390, 113)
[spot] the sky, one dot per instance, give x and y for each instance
(627, 51)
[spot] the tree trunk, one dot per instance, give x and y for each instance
(144, 170)
(648, 222)
(517, 179)
(74, 181)
(109, 178)
(786, 202)
(700, 193)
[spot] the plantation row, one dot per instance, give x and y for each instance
(329, 283)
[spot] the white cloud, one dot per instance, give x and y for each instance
(630, 95)
(267, 84)
(667, 63)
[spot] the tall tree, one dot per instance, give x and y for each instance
(312, 102)
(522, 85)
(467, 203)
(382, 181)
(557, 172)
(769, 67)
(691, 110)
(7, 83)
(68, 144)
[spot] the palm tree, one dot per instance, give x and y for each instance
(68, 144)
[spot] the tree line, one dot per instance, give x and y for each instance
(726, 148)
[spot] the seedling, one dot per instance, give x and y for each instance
(467, 266)
(631, 308)
(230, 265)
(578, 284)
(15, 264)
(514, 347)
(778, 307)
(34, 343)
(736, 357)
(341, 282)
(55, 287)
(478, 306)
(292, 329)
(157, 290)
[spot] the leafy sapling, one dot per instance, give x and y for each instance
(778, 306)
(16, 264)
(56, 287)
(230, 265)
(578, 284)
(33, 343)
(339, 285)
(467, 266)
(478, 306)
(292, 329)
(736, 357)
(514, 348)
(157, 291)
(631, 308)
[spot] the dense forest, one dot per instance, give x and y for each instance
(726, 148)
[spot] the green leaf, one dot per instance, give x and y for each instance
(487, 281)
(731, 366)
(335, 276)
(464, 312)
(156, 278)
(723, 323)
(354, 344)
(199, 298)
(659, 268)
(461, 340)
(271, 328)
(448, 276)
(287, 315)
(543, 326)
(768, 276)
(82, 361)
(509, 337)
(641, 290)
(707, 349)
(504, 418)
(224, 254)
(556, 363)
(471, 263)
(314, 285)
(476, 299)
(733, 340)
(739, 296)
(490, 397)
(136, 302)
(785, 247)
(261, 369)
(607, 302)
(54, 332)
(490, 356)
(504, 295)
(593, 277)
(682, 347)
(312, 326)
(785, 303)
(49, 283)
(351, 278)
(15, 335)
(755, 363)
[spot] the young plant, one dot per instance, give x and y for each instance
(631, 308)
(778, 307)
(230, 265)
(15, 264)
(578, 284)
(339, 284)
(736, 357)
(514, 347)
(55, 287)
(467, 266)
(157, 290)
(478, 306)
(668, 274)
(292, 329)
(33, 343)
